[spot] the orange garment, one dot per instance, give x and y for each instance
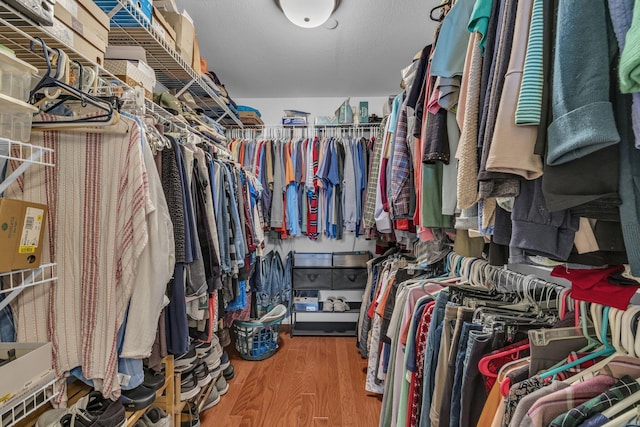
(383, 301)
(490, 407)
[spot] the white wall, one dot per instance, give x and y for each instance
(272, 109)
(349, 243)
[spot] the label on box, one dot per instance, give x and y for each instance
(61, 32)
(30, 239)
(5, 397)
(77, 26)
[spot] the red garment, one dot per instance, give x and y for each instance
(594, 286)
(415, 387)
(312, 197)
(497, 363)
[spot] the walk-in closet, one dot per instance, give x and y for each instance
(297, 213)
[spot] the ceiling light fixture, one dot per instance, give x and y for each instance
(308, 13)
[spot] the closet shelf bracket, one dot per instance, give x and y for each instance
(17, 281)
(28, 154)
(185, 88)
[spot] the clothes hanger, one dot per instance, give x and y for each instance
(623, 405)
(440, 8)
(624, 418)
(107, 115)
(606, 350)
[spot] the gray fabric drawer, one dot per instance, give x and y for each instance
(349, 278)
(311, 278)
(350, 259)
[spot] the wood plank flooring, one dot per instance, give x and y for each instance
(310, 381)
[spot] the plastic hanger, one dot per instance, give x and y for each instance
(514, 351)
(622, 405)
(106, 115)
(606, 350)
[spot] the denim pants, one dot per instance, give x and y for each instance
(431, 356)
(464, 314)
(448, 324)
(473, 394)
(459, 368)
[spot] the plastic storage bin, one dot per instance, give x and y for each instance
(15, 119)
(15, 76)
(123, 18)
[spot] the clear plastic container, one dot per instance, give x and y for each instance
(15, 76)
(15, 119)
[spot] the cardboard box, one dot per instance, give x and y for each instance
(294, 121)
(185, 34)
(33, 360)
(197, 67)
(86, 19)
(22, 227)
(163, 28)
(76, 41)
(138, 71)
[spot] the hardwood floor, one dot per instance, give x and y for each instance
(310, 381)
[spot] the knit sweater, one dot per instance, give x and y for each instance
(583, 120)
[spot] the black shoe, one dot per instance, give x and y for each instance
(186, 359)
(229, 373)
(189, 387)
(112, 415)
(138, 398)
(153, 380)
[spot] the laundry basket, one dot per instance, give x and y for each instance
(258, 339)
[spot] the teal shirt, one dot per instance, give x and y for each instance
(479, 20)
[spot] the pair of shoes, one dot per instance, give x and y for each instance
(138, 398)
(212, 400)
(189, 416)
(185, 361)
(222, 386)
(335, 304)
(91, 410)
(152, 379)
(154, 417)
(229, 373)
(224, 336)
(219, 389)
(193, 380)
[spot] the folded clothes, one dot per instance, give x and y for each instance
(245, 108)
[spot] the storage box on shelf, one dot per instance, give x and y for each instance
(163, 28)
(15, 76)
(319, 277)
(22, 225)
(185, 34)
(133, 73)
(86, 19)
(15, 118)
(123, 18)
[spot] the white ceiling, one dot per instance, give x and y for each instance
(257, 53)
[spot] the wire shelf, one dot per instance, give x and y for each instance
(29, 153)
(21, 405)
(22, 279)
(172, 71)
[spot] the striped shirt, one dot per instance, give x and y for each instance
(530, 100)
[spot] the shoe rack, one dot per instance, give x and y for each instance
(167, 398)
